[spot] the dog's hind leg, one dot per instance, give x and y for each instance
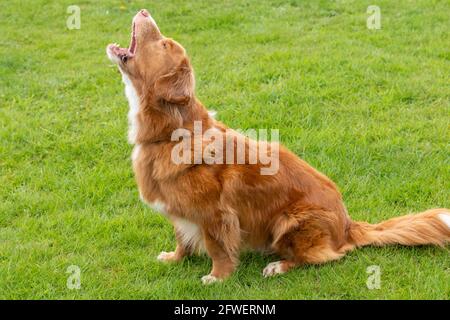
(306, 235)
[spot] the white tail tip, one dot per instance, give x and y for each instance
(445, 217)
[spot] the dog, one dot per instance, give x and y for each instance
(296, 213)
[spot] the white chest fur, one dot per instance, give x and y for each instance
(156, 205)
(190, 233)
(133, 101)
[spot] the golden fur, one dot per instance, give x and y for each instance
(297, 213)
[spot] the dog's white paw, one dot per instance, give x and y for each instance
(209, 279)
(273, 268)
(166, 256)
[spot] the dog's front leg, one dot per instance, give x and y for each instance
(223, 247)
(180, 251)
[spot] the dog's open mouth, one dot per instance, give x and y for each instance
(144, 29)
(125, 53)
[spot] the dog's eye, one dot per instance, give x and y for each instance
(164, 45)
(124, 59)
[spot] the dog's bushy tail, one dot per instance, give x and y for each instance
(429, 227)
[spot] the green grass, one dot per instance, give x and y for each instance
(370, 108)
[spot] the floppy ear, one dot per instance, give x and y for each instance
(178, 86)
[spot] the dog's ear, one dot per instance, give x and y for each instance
(178, 86)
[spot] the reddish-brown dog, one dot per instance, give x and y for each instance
(297, 213)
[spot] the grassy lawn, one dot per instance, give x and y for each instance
(369, 108)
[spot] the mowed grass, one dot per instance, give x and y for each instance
(369, 108)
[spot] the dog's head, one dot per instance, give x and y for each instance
(157, 66)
